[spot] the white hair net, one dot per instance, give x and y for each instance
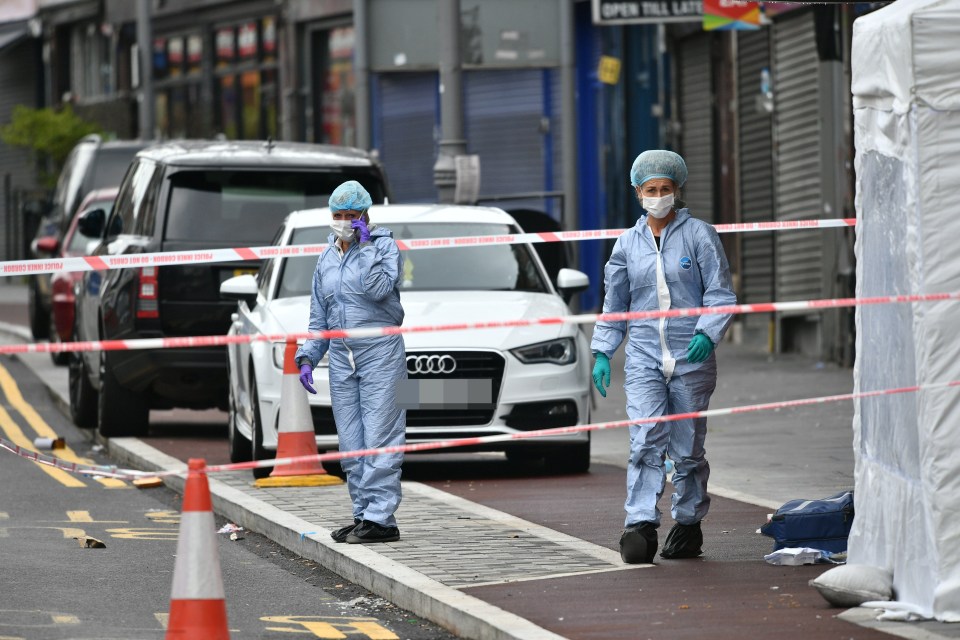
(350, 196)
(658, 163)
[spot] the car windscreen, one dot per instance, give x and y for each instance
(248, 205)
(110, 166)
(484, 268)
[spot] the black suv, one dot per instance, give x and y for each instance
(179, 196)
(91, 164)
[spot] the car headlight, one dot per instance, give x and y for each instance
(561, 351)
(279, 348)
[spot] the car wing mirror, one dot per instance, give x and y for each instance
(241, 289)
(571, 282)
(91, 223)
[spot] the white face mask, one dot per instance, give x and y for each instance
(658, 207)
(343, 230)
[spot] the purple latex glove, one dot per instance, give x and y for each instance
(363, 234)
(306, 377)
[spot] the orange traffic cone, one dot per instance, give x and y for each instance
(197, 606)
(296, 436)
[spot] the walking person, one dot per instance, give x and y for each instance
(668, 260)
(355, 285)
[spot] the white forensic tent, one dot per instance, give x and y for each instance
(906, 99)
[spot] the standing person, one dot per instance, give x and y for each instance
(667, 260)
(355, 285)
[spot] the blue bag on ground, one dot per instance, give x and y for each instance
(819, 524)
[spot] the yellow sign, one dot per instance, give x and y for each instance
(609, 71)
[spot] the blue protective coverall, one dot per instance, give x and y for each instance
(359, 289)
(689, 269)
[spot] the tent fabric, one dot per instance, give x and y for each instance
(906, 92)
(906, 57)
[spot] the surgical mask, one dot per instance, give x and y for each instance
(343, 230)
(658, 207)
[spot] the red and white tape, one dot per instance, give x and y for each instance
(373, 332)
(102, 471)
(167, 258)
(128, 474)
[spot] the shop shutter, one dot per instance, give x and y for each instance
(696, 121)
(756, 170)
(797, 169)
(405, 133)
(505, 126)
(18, 82)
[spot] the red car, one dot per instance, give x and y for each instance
(62, 282)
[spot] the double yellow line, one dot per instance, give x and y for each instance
(16, 435)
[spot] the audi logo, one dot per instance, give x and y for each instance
(431, 364)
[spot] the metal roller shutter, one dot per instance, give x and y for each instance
(756, 170)
(406, 122)
(696, 117)
(18, 83)
(797, 169)
(505, 111)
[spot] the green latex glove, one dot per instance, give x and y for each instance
(601, 374)
(699, 349)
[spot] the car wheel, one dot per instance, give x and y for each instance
(59, 358)
(120, 412)
(83, 397)
(257, 450)
(570, 458)
(240, 447)
(39, 323)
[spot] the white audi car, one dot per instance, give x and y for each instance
(500, 381)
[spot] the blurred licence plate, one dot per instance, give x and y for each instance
(431, 393)
(243, 272)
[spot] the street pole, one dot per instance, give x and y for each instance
(145, 49)
(571, 205)
(361, 91)
(452, 143)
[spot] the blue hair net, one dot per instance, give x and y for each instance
(350, 196)
(658, 163)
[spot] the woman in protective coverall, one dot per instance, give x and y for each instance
(669, 259)
(355, 285)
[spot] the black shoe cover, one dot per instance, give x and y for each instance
(638, 543)
(368, 532)
(683, 541)
(340, 535)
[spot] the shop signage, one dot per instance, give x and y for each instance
(247, 40)
(730, 15)
(609, 70)
(607, 12)
(225, 45)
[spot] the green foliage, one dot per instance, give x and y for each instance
(48, 135)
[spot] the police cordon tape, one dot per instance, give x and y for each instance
(374, 332)
(167, 258)
(132, 474)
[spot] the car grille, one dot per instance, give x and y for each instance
(480, 365)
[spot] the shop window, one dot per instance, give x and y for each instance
(247, 92)
(228, 107)
(161, 67)
(250, 83)
(175, 56)
(333, 95)
(194, 54)
(269, 39)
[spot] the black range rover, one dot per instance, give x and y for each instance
(178, 196)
